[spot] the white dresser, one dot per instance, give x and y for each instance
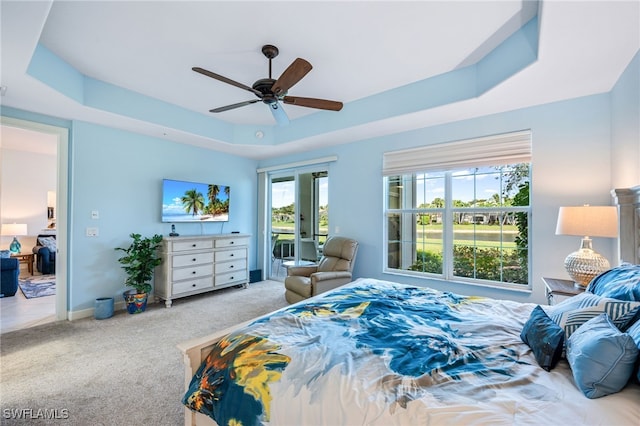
(197, 264)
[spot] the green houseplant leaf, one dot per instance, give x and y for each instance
(139, 261)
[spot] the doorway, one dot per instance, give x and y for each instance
(299, 217)
(17, 314)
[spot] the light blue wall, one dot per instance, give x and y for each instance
(571, 166)
(625, 127)
(120, 174)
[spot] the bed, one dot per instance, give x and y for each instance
(383, 353)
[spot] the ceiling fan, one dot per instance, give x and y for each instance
(272, 92)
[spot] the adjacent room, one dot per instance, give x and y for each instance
(462, 176)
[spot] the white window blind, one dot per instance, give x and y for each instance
(508, 148)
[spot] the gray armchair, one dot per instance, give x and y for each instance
(333, 270)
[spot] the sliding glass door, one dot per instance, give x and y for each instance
(299, 217)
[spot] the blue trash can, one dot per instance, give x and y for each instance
(104, 308)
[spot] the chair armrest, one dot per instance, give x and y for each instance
(330, 275)
(325, 281)
(42, 251)
(302, 271)
(10, 263)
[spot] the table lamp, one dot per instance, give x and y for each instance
(587, 221)
(15, 230)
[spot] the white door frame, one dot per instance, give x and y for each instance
(62, 215)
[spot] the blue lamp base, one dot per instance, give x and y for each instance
(15, 246)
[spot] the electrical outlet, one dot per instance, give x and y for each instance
(92, 232)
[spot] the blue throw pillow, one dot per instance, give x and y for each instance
(544, 337)
(621, 282)
(634, 332)
(5, 254)
(602, 358)
(575, 311)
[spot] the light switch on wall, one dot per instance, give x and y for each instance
(95, 214)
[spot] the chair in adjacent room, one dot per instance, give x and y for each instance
(9, 272)
(45, 251)
(334, 269)
(276, 262)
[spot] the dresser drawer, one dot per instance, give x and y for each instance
(191, 285)
(192, 259)
(235, 265)
(231, 277)
(195, 272)
(225, 255)
(232, 242)
(192, 245)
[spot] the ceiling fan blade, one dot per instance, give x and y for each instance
(293, 74)
(279, 114)
(234, 106)
(226, 80)
(313, 103)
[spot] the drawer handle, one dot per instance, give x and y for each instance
(231, 255)
(230, 266)
(231, 277)
(193, 285)
(194, 272)
(232, 242)
(194, 259)
(194, 245)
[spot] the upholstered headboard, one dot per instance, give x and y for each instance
(628, 202)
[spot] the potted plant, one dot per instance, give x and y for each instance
(139, 261)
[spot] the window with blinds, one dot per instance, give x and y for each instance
(460, 210)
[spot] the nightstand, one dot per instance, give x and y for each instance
(559, 290)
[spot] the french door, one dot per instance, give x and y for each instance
(299, 217)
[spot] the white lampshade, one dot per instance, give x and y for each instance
(587, 221)
(592, 221)
(14, 229)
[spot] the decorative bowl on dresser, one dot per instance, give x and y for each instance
(202, 263)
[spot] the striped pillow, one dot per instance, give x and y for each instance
(572, 313)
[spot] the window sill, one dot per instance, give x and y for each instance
(513, 288)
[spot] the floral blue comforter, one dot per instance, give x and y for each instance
(376, 352)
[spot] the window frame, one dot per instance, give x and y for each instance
(448, 230)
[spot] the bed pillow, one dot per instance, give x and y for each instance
(634, 332)
(544, 337)
(621, 282)
(602, 358)
(575, 311)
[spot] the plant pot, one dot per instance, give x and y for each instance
(104, 308)
(136, 302)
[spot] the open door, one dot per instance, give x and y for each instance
(299, 218)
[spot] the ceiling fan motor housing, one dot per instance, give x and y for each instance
(264, 86)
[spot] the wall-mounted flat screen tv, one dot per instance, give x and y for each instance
(194, 202)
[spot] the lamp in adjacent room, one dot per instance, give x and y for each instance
(15, 230)
(587, 221)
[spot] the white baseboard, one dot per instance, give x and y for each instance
(89, 312)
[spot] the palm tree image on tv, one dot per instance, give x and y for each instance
(194, 202)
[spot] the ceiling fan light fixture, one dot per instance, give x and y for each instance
(270, 91)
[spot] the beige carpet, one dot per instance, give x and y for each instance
(125, 370)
